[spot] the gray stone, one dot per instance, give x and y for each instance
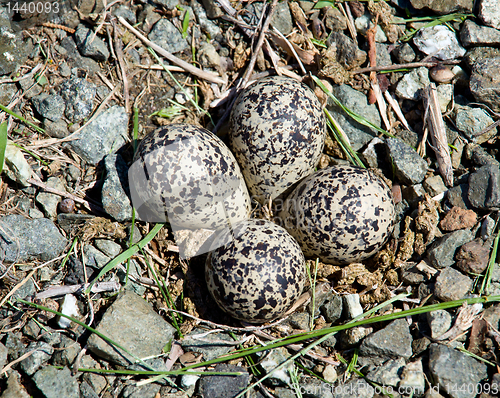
(75, 60)
(434, 185)
(405, 53)
(86, 391)
(476, 53)
(358, 388)
(456, 373)
(439, 41)
(478, 155)
(14, 388)
(457, 196)
(374, 153)
(42, 353)
(134, 273)
(409, 167)
(441, 254)
(487, 227)
(167, 36)
(115, 193)
(13, 51)
(16, 167)
(410, 86)
(55, 383)
(332, 309)
(347, 51)
(387, 374)
(443, 7)
(79, 97)
(445, 95)
(104, 135)
(413, 379)
(452, 285)
(211, 29)
(150, 390)
(300, 320)
(3, 355)
(335, 20)
(208, 56)
(312, 387)
(68, 350)
(393, 341)
(93, 257)
(126, 13)
(132, 323)
(484, 188)
(108, 247)
(352, 306)
(49, 201)
(439, 322)
(168, 4)
(7, 92)
(489, 13)
(358, 134)
(211, 345)
(485, 82)
(273, 359)
(90, 45)
(25, 239)
(471, 121)
(58, 129)
(364, 22)
(472, 34)
(49, 106)
(26, 290)
(30, 87)
(224, 386)
(282, 19)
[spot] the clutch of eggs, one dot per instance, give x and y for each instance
(277, 134)
(186, 175)
(341, 214)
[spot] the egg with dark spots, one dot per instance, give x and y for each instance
(257, 271)
(341, 214)
(277, 134)
(186, 175)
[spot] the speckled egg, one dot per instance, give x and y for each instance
(277, 133)
(185, 174)
(257, 273)
(341, 214)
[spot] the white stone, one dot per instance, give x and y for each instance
(68, 307)
(189, 380)
(410, 86)
(489, 13)
(16, 167)
(353, 305)
(440, 42)
(330, 374)
(445, 95)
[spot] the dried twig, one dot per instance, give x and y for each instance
(399, 66)
(119, 57)
(435, 124)
(397, 110)
(63, 290)
(211, 77)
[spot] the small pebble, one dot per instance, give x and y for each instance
(458, 218)
(67, 205)
(441, 74)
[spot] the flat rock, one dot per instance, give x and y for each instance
(41, 354)
(16, 166)
(452, 285)
(410, 86)
(478, 155)
(393, 341)
(473, 34)
(434, 185)
(58, 129)
(56, 383)
(75, 59)
(441, 253)
(473, 257)
(456, 373)
(224, 386)
(273, 359)
(443, 7)
(115, 194)
(489, 13)
(484, 188)
(49, 106)
(78, 95)
(387, 374)
(457, 196)
(439, 41)
(347, 52)
(104, 135)
(90, 45)
(410, 168)
(458, 218)
(439, 322)
(26, 239)
(132, 323)
(358, 134)
(49, 201)
(167, 36)
(14, 388)
(470, 121)
(210, 28)
(485, 82)
(212, 346)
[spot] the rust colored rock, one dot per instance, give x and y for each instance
(473, 257)
(458, 218)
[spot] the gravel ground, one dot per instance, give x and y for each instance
(78, 72)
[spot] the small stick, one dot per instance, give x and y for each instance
(57, 26)
(437, 132)
(401, 66)
(98, 287)
(395, 107)
(119, 57)
(211, 77)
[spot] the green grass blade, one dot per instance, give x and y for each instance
(491, 263)
(358, 118)
(3, 143)
(185, 24)
(122, 257)
(22, 119)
